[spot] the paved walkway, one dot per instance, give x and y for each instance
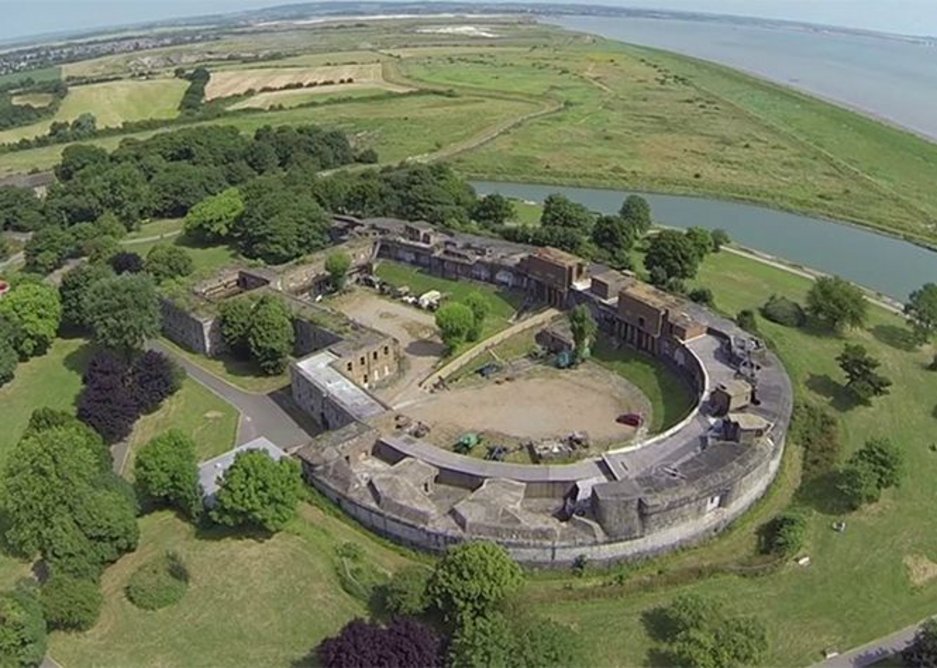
(272, 415)
(872, 652)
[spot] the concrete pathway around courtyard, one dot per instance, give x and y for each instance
(272, 415)
(873, 652)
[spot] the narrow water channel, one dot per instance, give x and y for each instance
(885, 264)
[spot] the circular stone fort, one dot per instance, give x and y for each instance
(577, 472)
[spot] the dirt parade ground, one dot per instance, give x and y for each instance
(543, 403)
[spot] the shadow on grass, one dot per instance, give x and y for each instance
(821, 494)
(206, 529)
(658, 624)
(426, 348)
(899, 338)
(77, 360)
(840, 398)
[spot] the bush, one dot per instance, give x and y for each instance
(785, 534)
(71, 604)
(702, 296)
(817, 432)
(126, 262)
(784, 311)
(405, 594)
(747, 321)
(158, 583)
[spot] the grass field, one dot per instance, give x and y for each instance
(167, 227)
(39, 76)
(112, 103)
(244, 375)
(502, 305)
(250, 602)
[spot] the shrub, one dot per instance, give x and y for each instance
(784, 311)
(818, 433)
(405, 594)
(126, 262)
(785, 534)
(702, 296)
(71, 604)
(158, 583)
(747, 321)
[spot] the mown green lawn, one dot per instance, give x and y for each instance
(502, 304)
(671, 399)
(250, 602)
(857, 586)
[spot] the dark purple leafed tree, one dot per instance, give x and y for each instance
(404, 643)
(154, 378)
(106, 403)
(126, 262)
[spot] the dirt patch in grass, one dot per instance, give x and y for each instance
(921, 570)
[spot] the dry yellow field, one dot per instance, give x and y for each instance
(293, 98)
(224, 83)
(33, 99)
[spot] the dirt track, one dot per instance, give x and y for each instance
(545, 403)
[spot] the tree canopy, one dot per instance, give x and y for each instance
(472, 578)
(837, 303)
(34, 312)
(165, 262)
(560, 211)
(337, 265)
(637, 213)
(74, 288)
(404, 642)
(493, 210)
(584, 329)
(23, 638)
(258, 492)
(123, 311)
(862, 377)
(214, 218)
(166, 470)
(456, 323)
(270, 335)
(671, 254)
(921, 310)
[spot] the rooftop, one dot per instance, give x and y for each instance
(651, 296)
(558, 256)
(318, 370)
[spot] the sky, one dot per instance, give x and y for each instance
(23, 18)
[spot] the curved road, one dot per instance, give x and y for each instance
(272, 415)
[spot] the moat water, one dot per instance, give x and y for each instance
(885, 264)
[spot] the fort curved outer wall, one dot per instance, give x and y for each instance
(674, 489)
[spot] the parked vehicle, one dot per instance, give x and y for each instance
(630, 419)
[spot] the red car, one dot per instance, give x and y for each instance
(630, 419)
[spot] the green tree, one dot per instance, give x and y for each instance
(214, 218)
(35, 312)
(455, 322)
(108, 224)
(9, 358)
(671, 254)
(101, 249)
(701, 633)
(479, 306)
(921, 310)
(166, 470)
(165, 262)
(584, 329)
(720, 238)
(637, 213)
(482, 641)
(493, 210)
(123, 311)
(20, 209)
(270, 335)
(785, 534)
(702, 240)
(48, 249)
(257, 491)
(236, 323)
(837, 303)
(883, 459)
(472, 579)
(746, 320)
(71, 604)
(23, 638)
(545, 643)
(560, 211)
(74, 287)
(862, 377)
(857, 484)
(614, 237)
(337, 265)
